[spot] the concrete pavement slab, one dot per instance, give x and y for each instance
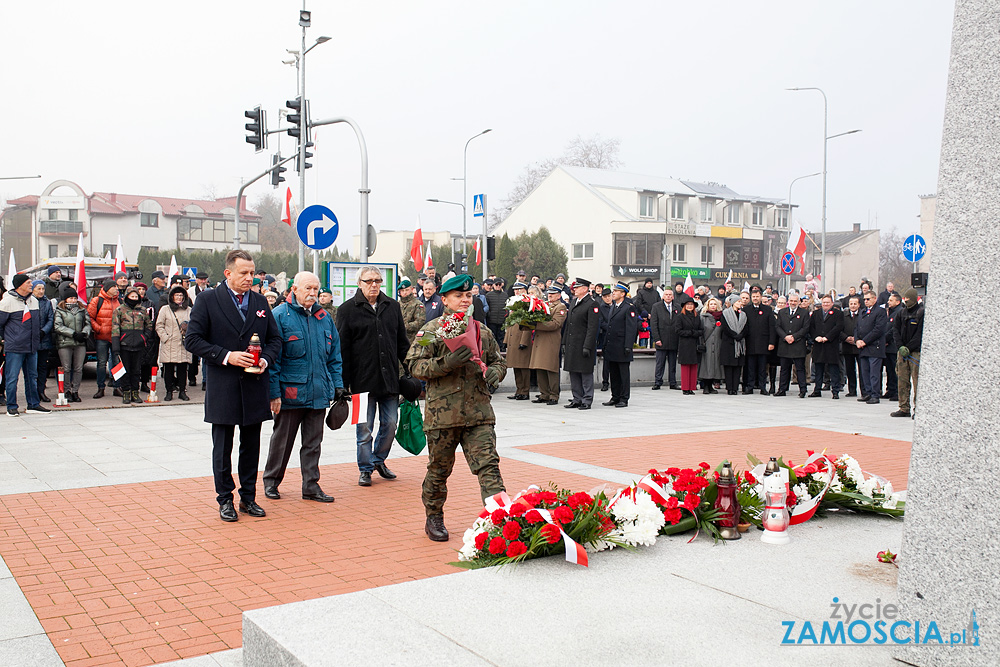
(33, 651)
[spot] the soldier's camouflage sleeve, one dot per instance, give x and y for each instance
(426, 356)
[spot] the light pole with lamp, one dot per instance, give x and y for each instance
(465, 193)
(789, 200)
(822, 260)
(455, 203)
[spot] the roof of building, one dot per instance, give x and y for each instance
(713, 190)
(622, 180)
(111, 203)
(26, 200)
(838, 240)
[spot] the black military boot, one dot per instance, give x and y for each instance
(435, 528)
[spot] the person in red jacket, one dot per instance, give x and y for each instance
(100, 309)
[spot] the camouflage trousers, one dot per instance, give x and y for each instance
(907, 368)
(479, 444)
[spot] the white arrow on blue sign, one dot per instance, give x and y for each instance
(914, 248)
(317, 227)
(477, 206)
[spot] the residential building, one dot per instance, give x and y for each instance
(392, 246)
(48, 225)
(849, 257)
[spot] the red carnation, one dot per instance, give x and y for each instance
(532, 516)
(481, 540)
(550, 533)
(511, 530)
(673, 471)
(515, 549)
(716, 474)
(498, 517)
(672, 516)
(671, 502)
(530, 498)
(497, 545)
(691, 501)
(749, 478)
(704, 465)
(562, 514)
(518, 509)
(548, 497)
(792, 499)
(578, 500)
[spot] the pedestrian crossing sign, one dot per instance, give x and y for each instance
(477, 206)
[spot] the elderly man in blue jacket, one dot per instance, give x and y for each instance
(20, 329)
(305, 378)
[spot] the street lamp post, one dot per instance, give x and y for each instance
(822, 260)
(465, 195)
(789, 200)
(455, 203)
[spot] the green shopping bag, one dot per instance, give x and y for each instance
(410, 429)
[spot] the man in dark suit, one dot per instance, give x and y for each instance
(869, 337)
(580, 343)
(623, 328)
(848, 350)
(664, 337)
(760, 333)
(825, 327)
(603, 299)
(222, 323)
(792, 328)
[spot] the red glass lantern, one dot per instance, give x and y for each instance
(727, 504)
(253, 349)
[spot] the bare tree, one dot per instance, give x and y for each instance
(892, 266)
(594, 152)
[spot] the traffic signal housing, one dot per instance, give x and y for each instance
(491, 248)
(277, 170)
(257, 127)
(298, 168)
(295, 118)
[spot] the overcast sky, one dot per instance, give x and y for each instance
(148, 98)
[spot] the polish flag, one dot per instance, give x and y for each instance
(26, 315)
(688, 286)
(746, 286)
(430, 260)
(729, 280)
(359, 408)
(119, 257)
(575, 553)
(80, 275)
(11, 270)
(118, 371)
(479, 251)
(173, 267)
(416, 248)
(287, 218)
(797, 245)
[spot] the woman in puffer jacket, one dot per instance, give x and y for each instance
(130, 330)
(72, 327)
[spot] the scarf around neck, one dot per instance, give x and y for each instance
(736, 322)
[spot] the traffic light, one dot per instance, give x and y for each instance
(491, 248)
(295, 118)
(277, 170)
(309, 145)
(257, 128)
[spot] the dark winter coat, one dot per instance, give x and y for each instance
(373, 343)
(829, 327)
(46, 318)
(891, 346)
(661, 325)
(308, 370)
(69, 321)
(215, 329)
(433, 306)
(760, 328)
(710, 367)
(909, 328)
(871, 327)
(850, 322)
(579, 334)
(496, 300)
(797, 326)
(645, 299)
(130, 328)
(623, 329)
(19, 335)
(728, 355)
(689, 330)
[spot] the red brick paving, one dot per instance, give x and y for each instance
(888, 458)
(137, 574)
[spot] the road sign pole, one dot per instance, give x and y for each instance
(482, 242)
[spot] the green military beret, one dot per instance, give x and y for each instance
(256, 281)
(403, 284)
(460, 282)
(325, 290)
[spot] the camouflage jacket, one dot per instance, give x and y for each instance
(330, 308)
(413, 315)
(459, 397)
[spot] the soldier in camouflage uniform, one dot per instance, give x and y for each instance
(326, 303)
(458, 407)
(413, 309)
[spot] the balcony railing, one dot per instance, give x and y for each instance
(60, 227)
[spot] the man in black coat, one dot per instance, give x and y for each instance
(848, 350)
(825, 327)
(760, 333)
(623, 328)
(496, 299)
(579, 344)
(222, 323)
(792, 329)
(646, 297)
(869, 338)
(603, 300)
(373, 343)
(664, 337)
(893, 309)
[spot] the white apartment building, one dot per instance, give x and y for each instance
(48, 225)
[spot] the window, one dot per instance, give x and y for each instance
(149, 220)
(638, 249)
(583, 251)
(53, 214)
(758, 216)
(733, 214)
(707, 254)
(72, 250)
(677, 208)
(647, 206)
(108, 249)
(680, 252)
(708, 210)
(53, 251)
(817, 267)
(149, 248)
(74, 214)
(217, 231)
(781, 218)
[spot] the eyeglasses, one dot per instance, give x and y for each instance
(377, 281)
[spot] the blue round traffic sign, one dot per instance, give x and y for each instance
(787, 263)
(317, 227)
(914, 248)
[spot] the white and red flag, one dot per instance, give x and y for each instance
(359, 408)
(11, 270)
(118, 371)
(80, 275)
(688, 286)
(417, 248)
(479, 251)
(173, 267)
(287, 217)
(119, 257)
(797, 246)
(430, 260)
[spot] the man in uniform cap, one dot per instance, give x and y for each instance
(325, 301)
(579, 343)
(545, 348)
(623, 328)
(412, 307)
(518, 342)
(458, 409)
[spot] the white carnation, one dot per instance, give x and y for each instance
(802, 492)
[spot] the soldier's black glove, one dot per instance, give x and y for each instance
(80, 337)
(492, 378)
(453, 360)
(586, 353)
(339, 393)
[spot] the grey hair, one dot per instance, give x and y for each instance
(302, 275)
(368, 269)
